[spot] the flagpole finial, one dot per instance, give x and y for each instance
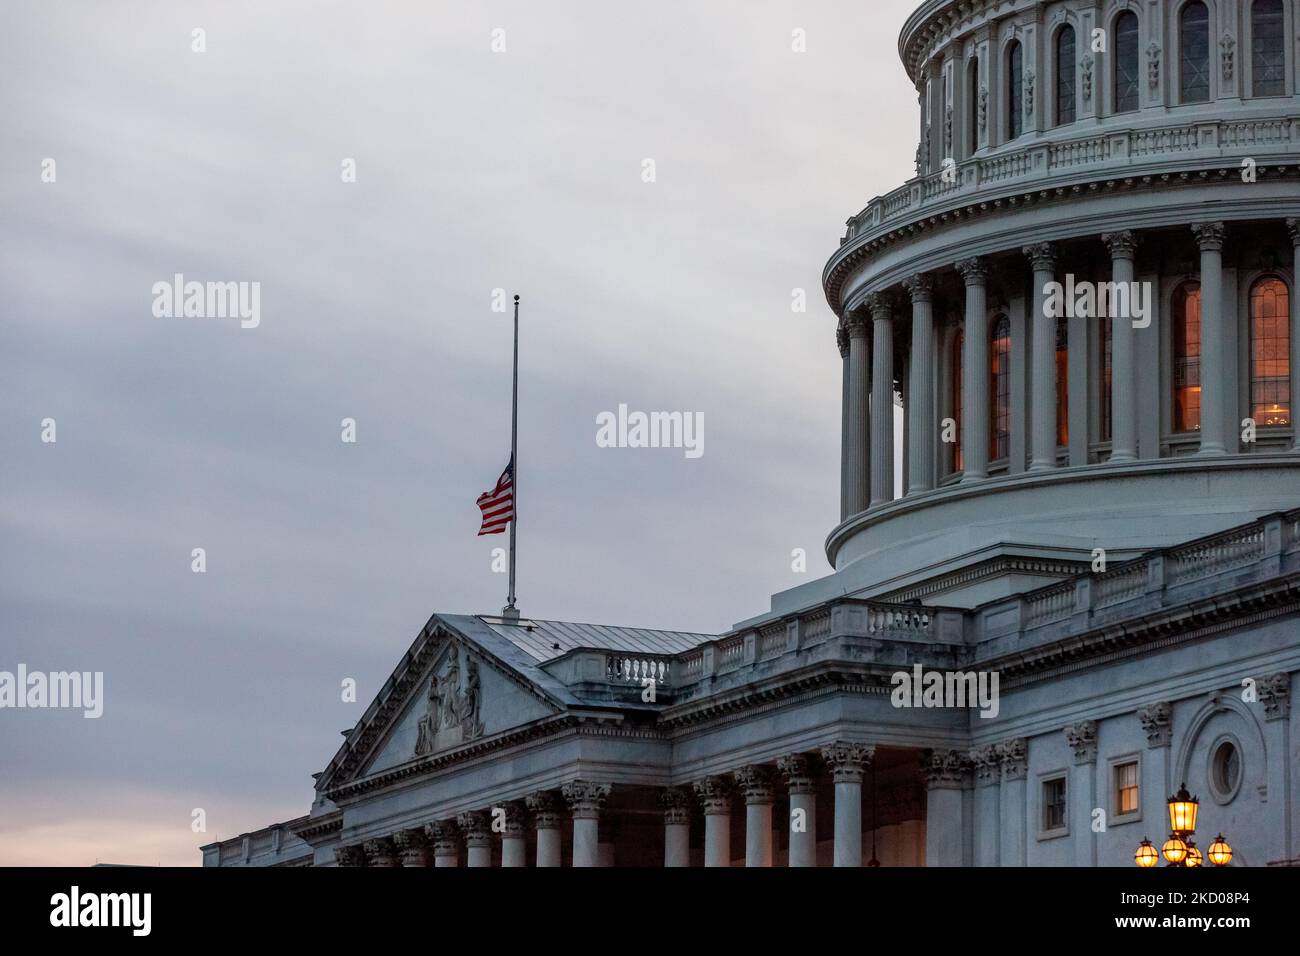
(516, 298)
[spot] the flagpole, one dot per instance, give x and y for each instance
(510, 611)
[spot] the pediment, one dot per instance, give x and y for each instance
(458, 683)
(459, 699)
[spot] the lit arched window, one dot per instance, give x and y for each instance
(958, 360)
(1015, 90)
(1000, 389)
(1194, 68)
(1270, 352)
(1126, 63)
(1105, 339)
(1066, 67)
(1268, 48)
(1187, 357)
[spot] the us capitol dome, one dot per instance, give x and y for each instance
(1085, 303)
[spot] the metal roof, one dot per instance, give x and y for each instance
(547, 640)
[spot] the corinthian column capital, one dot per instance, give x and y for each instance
(381, 852)
(858, 324)
(676, 805)
(847, 761)
(714, 794)
(1015, 758)
(920, 287)
(842, 340)
(974, 271)
(1293, 227)
(798, 772)
(350, 855)
(1122, 245)
(755, 784)
(1210, 235)
(881, 306)
(1157, 723)
(412, 846)
(1083, 741)
(1042, 256)
(987, 762)
(545, 808)
(444, 835)
(585, 798)
(945, 769)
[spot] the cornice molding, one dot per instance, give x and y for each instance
(867, 246)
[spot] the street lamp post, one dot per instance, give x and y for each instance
(1180, 849)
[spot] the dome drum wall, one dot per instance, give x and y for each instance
(1154, 157)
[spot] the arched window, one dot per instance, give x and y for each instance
(1270, 352)
(1127, 79)
(1187, 357)
(1000, 389)
(972, 106)
(1015, 90)
(1104, 340)
(1066, 68)
(958, 360)
(1194, 67)
(1267, 48)
(1062, 382)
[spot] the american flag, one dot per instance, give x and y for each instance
(498, 505)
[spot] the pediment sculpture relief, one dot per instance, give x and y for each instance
(451, 713)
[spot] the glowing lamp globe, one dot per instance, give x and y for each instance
(1182, 812)
(1174, 850)
(1220, 853)
(1147, 855)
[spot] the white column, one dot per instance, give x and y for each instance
(545, 809)
(882, 399)
(1123, 352)
(1214, 426)
(412, 847)
(676, 804)
(756, 785)
(945, 774)
(715, 795)
(1042, 410)
(920, 387)
(802, 785)
(514, 843)
(446, 843)
(1293, 225)
(585, 800)
(478, 837)
(988, 775)
(842, 340)
(975, 372)
(859, 458)
(846, 762)
(1081, 792)
(1015, 766)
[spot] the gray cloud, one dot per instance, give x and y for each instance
(475, 171)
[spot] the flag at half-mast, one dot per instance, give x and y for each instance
(498, 505)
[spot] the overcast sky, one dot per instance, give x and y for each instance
(476, 170)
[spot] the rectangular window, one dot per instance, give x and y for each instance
(1126, 788)
(1268, 49)
(1194, 37)
(1054, 804)
(1127, 71)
